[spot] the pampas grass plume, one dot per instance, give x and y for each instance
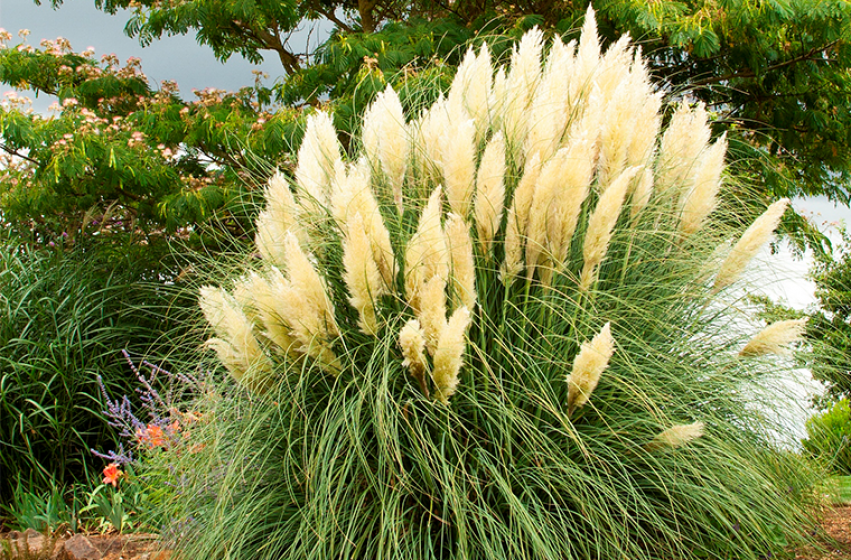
(686, 137)
(386, 140)
(412, 341)
(459, 166)
(236, 345)
(490, 192)
(463, 265)
(449, 356)
(642, 193)
(361, 275)
(279, 216)
(317, 155)
(601, 224)
(432, 312)
(676, 436)
(749, 244)
(775, 338)
(425, 255)
(588, 366)
(701, 200)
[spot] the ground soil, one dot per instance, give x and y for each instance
(835, 537)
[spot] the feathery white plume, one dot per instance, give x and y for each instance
(317, 155)
(386, 140)
(490, 192)
(775, 338)
(361, 275)
(463, 265)
(676, 436)
(701, 200)
(236, 344)
(449, 356)
(601, 224)
(459, 166)
(588, 366)
(426, 253)
(749, 244)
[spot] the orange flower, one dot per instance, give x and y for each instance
(111, 474)
(152, 436)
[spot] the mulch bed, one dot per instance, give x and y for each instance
(835, 539)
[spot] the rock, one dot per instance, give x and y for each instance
(79, 547)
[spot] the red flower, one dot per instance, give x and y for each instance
(111, 474)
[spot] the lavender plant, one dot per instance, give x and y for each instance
(504, 330)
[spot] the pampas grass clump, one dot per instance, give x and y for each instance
(490, 334)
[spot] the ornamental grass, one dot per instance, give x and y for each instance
(489, 333)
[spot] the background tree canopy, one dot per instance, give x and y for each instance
(773, 73)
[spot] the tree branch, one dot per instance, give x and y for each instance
(751, 73)
(15, 153)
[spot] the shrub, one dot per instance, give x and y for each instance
(66, 317)
(829, 437)
(504, 332)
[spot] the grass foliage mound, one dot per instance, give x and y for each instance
(500, 333)
(65, 316)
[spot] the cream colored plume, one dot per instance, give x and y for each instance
(520, 87)
(386, 140)
(352, 194)
(676, 436)
(279, 216)
(775, 338)
(749, 244)
(518, 218)
(412, 341)
(471, 88)
(587, 55)
(317, 155)
(235, 344)
(576, 174)
(361, 275)
(686, 137)
(304, 305)
(588, 366)
(449, 356)
(701, 200)
(426, 254)
(490, 192)
(459, 166)
(432, 311)
(642, 194)
(549, 110)
(431, 129)
(601, 224)
(462, 263)
(259, 299)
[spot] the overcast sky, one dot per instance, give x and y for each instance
(177, 58)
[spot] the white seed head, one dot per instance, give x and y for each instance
(749, 244)
(701, 200)
(462, 262)
(317, 155)
(426, 254)
(677, 436)
(588, 366)
(601, 224)
(361, 275)
(775, 338)
(449, 356)
(490, 192)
